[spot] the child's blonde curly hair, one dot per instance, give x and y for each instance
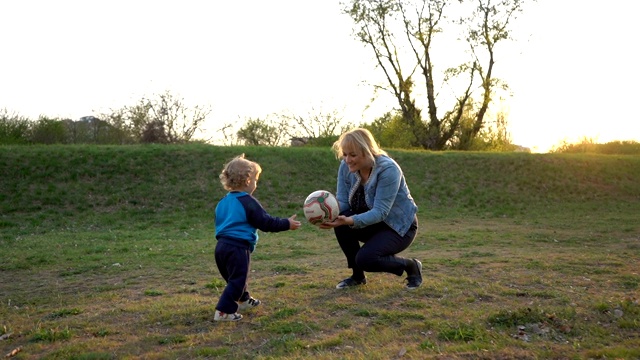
(236, 172)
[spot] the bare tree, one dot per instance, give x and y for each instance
(161, 119)
(486, 27)
(229, 137)
(400, 30)
(316, 127)
(179, 121)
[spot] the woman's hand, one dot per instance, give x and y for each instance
(339, 221)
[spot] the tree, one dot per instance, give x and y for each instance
(163, 119)
(179, 121)
(92, 130)
(261, 133)
(229, 135)
(154, 132)
(118, 130)
(317, 127)
(402, 34)
(391, 131)
(494, 135)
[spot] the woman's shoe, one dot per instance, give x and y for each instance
(348, 282)
(414, 276)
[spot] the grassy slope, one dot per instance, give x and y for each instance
(63, 186)
(112, 248)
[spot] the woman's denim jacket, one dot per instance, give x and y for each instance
(386, 194)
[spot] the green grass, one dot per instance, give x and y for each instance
(107, 253)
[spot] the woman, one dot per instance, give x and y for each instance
(377, 210)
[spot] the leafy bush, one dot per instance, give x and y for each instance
(588, 145)
(14, 129)
(48, 131)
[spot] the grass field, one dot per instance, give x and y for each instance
(106, 252)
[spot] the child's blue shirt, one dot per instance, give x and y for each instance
(238, 218)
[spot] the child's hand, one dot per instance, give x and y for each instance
(293, 223)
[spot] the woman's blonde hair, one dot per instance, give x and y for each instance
(360, 140)
(236, 172)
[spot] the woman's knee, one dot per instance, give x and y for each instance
(366, 261)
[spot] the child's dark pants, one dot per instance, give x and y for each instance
(233, 263)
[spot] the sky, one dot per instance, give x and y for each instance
(572, 70)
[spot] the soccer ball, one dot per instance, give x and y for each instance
(321, 206)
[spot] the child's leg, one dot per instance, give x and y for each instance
(234, 262)
(221, 262)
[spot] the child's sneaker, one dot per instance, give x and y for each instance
(220, 316)
(249, 304)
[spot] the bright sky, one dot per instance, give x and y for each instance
(573, 71)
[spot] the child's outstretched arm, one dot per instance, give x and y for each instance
(258, 217)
